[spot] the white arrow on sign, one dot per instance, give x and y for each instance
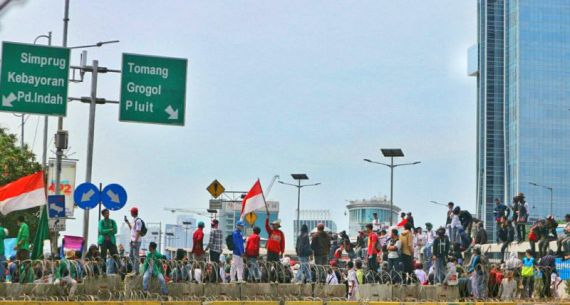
(87, 196)
(7, 100)
(57, 209)
(114, 197)
(173, 114)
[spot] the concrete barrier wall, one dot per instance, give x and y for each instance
(111, 288)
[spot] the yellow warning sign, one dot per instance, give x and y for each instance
(215, 188)
(250, 218)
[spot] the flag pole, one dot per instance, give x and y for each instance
(264, 201)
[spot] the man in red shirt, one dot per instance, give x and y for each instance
(372, 250)
(252, 253)
(198, 242)
(276, 240)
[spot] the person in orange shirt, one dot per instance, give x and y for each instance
(251, 254)
(198, 242)
(372, 248)
(276, 240)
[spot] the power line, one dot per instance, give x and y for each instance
(35, 134)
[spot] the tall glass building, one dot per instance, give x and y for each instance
(522, 65)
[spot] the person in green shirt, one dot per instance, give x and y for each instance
(3, 234)
(153, 268)
(23, 240)
(66, 272)
(107, 241)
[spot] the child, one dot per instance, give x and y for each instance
(359, 272)
(352, 282)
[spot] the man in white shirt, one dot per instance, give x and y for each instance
(376, 226)
(136, 238)
(430, 237)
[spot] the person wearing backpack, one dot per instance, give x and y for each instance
(136, 238)
(373, 248)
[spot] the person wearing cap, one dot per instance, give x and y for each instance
(106, 239)
(236, 269)
(275, 241)
(66, 272)
(320, 244)
(136, 239)
(215, 243)
(198, 242)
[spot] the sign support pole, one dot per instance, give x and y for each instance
(90, 140)
(59, 150)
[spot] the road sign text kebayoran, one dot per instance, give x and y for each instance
(153, 89)
(34, 79)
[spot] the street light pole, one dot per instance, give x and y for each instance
(391, 190)
(299, 177)
(391, 153)
(45, 144)
(551, 189)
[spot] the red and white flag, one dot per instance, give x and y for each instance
(24, 193)
(254, 200)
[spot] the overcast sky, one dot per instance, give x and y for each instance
(276, 88)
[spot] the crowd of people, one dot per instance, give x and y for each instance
(449, 255)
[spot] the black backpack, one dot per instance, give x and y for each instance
(230, 242)
(144, 230)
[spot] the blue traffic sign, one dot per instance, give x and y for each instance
(56, 206)
(86, 196)
(114, 197)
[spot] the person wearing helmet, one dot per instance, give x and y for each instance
(236, 269)
(136, 239)
(198, 242)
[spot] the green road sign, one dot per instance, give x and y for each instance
(34, 79)
(153, 89)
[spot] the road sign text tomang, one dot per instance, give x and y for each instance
(34, 79)
(153, 89)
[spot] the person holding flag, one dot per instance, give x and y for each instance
(255, 200)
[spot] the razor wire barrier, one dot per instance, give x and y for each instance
(401, 286)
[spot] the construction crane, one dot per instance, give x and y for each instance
(268, 189)
(209, 213)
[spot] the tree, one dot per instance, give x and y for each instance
(16, 162)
